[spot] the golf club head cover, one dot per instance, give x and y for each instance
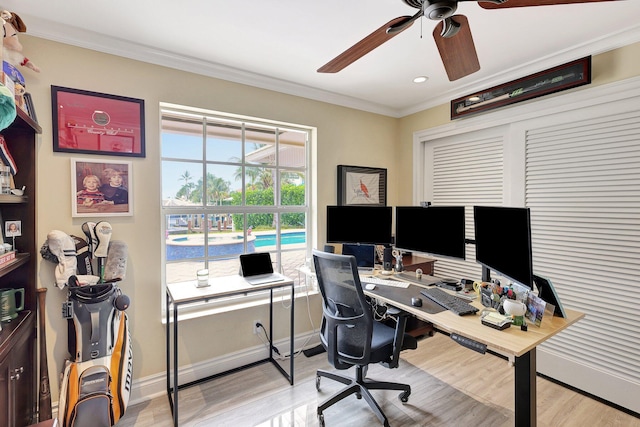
(88, 228)
(46, 253)
(83, 256)
(102, 232)
(63, 247)
(116, 265)
(84, 280)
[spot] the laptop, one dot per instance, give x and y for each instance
(257, 269)
(365, 256)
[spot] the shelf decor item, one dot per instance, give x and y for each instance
(97, 123)
(359, 185)
(572, 74)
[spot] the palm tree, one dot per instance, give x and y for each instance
(265, 179)
(185, 190)
(217, 189)
(252, 174)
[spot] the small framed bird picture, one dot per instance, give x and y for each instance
(359, 185)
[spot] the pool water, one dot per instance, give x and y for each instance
(191, 247)
(286, 239)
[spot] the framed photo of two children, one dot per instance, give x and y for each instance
(101, 188)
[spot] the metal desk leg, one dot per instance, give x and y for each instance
(167, 347)
(271, 326)
(525, 389)
(175, 365)
(291, 337)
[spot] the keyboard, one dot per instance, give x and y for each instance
(384, 282)
(449, 301)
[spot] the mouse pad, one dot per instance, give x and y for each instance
(404, 295)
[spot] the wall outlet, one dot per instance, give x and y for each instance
(257, 327)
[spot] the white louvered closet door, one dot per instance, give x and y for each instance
(583, 188)
(465, 173)
(574, 160)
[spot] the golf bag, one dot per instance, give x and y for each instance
(96, 382)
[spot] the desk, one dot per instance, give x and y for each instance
(413, 262)
(511, 342)
(182, 293)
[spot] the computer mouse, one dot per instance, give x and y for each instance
(416, 302)
(370, 286)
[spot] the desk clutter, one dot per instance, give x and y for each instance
(504, 305)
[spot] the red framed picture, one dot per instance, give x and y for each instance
(97, 123)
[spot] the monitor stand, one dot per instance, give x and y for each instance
(450, 284)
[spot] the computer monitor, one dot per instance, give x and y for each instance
(359, 224)
(434, 230)
(503, 242)
(548, 293)
(365, 255)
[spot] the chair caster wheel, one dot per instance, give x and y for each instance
(404, 397)
(318, 383)
(321, 420)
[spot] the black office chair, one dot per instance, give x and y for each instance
(352, 337)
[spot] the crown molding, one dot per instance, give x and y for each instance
(74, 36)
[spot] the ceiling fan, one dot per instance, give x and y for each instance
(452, 33)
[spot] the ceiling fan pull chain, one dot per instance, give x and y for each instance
(422, 20)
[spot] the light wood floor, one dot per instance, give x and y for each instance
(451, 386)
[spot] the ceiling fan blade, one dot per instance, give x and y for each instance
(458, 52)
(523, 3)
(366, 45)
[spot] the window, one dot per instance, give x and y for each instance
(230, 186)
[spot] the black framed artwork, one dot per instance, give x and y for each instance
(359, 185)
(97, 123)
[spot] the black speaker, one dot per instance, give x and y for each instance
(329, 248)
(387, 259)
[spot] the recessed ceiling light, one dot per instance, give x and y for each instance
(420, 79)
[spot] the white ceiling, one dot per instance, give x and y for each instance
(279, 44)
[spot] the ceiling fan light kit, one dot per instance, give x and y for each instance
(452, 34)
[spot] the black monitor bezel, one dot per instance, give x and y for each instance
(359, 224)
(500, 239)
(426, 230)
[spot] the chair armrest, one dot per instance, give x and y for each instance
(398, 341)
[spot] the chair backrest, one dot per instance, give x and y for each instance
(347, 323)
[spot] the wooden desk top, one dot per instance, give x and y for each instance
(511, 341)
(185, 292)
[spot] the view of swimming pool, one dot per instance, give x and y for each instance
(287, 239)
(192, 246)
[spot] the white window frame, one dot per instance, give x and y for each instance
(301, 282)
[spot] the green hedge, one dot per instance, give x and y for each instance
(292, 195)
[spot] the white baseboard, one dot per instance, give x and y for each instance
(589, 379)
(147, 388)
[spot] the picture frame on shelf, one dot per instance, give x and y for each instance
(97, 123)
(101, 189)
(359, 185)
(13, 228)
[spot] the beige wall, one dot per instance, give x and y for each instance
(345, 136)
(608, 67)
